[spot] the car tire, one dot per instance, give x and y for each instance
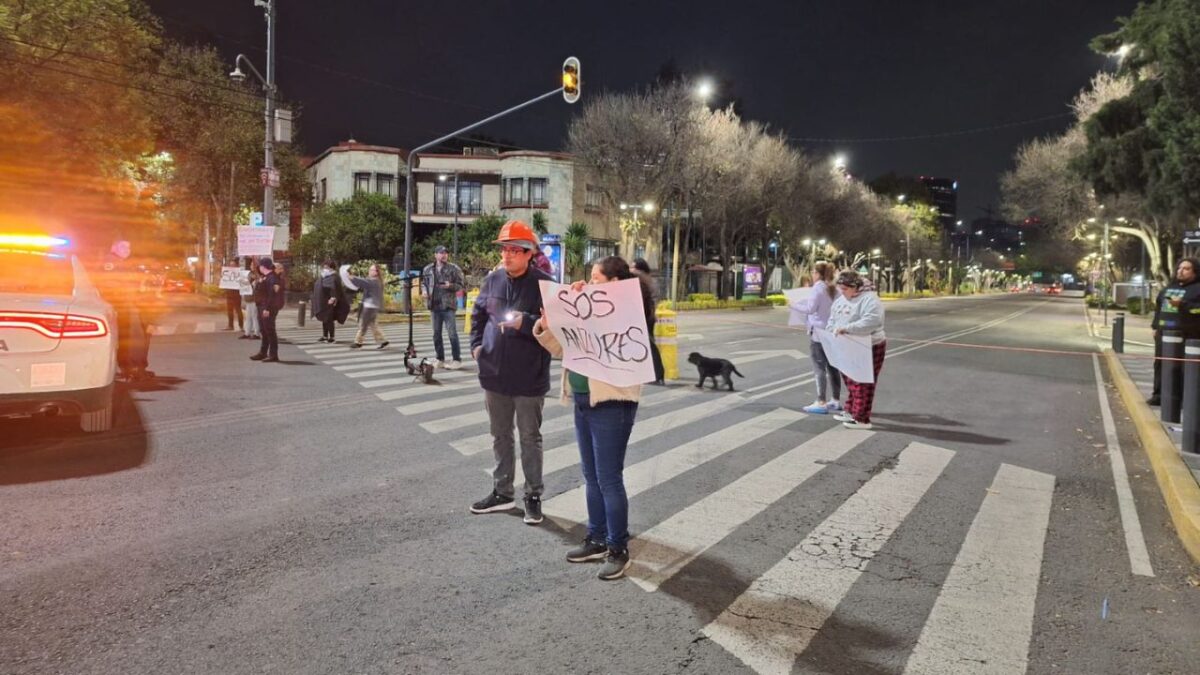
(97, 420)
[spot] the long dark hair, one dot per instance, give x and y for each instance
(825, 270)
(615, 267)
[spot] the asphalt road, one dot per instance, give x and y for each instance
(311, 517)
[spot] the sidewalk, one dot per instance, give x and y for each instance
(1177, 473)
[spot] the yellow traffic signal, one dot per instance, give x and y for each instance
(570, 79)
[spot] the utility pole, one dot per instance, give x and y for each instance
(455, 217)
(269, 146)
(1107, 282)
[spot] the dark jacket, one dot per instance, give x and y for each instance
(269, 294)
(511, 363)
(324, 289)
(432, 279)
(1186, 317)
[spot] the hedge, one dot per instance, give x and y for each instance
(691, 306)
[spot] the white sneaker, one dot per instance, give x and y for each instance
(856, 425)
(439, 364)
(454, 365)
(843, 417)
(816, 408)
(834, 406)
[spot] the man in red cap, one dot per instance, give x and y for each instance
(514, 370)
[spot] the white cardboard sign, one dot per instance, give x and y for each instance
(602, 330)
(255, 241)
(851, 354)
(793, 296)
(230, 278)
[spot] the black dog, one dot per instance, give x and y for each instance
(712, 368)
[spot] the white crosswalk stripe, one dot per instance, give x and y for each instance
(767, 626)
(983, 618)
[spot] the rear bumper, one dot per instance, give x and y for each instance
(71, 402)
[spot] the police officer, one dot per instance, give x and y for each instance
(268, 298)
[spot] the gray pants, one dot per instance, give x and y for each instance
(824, 374)
(528, 413)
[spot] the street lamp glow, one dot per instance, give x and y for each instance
(876, 251)
(624, 206)
(958, 224)
(442, 177)
(839, 161)
(648, 207)
(901, 198)
(807, 242)
(1092, 236)
(820, 242)
(1091, 220)
(704, 89)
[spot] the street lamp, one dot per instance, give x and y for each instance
(644, 207)
(704, 89)
(269, 178)
(839, 162)
(907, 244)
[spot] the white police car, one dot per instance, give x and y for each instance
(58, 343)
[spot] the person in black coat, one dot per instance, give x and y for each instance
(269, 299)
(329, 303)
(1176, 308)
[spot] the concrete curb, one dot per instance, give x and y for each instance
(1175, 480)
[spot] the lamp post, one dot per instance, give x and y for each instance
(268, 83)
(454, 231)
(703, 91)
(645, 207)
(875, 253)
(907, 247)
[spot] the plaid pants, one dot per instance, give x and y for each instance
(861, 395)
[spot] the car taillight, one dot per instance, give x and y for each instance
(55, 325)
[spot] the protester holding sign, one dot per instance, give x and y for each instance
(859, 312)
(514, 370)
(604, 416)
(248, 285)
(815, 308)
(329, 303)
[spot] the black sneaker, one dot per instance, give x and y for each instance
(355, 346)
(533, 510)
(1154, 400)
(614, 567)
(587, 551)
(258, 357)
(383, 345)
(493, 503)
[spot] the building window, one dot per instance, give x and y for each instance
(599, 248)
(324, 192)
(537, 191)
(442, 197)
(593, 199)
(384, 183)
(514, 192)
(470, 197)
(362, 182)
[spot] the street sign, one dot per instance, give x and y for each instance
(254, 241)
(269, 177)
(256, 219)
(1191, 236)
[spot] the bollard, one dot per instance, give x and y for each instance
(665, 336)
(1172, 375)
(470, 305)
(1118, 334)
(1191, 397)
(302, 314)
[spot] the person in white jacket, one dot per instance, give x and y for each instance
(859, 312)
(815, 309)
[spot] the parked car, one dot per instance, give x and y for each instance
(178, 281)
(58, 343)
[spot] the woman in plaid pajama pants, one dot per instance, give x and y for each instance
(858, 311)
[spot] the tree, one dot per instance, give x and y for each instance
(476, 247)
(539, 223)
(575, 249)
(366, 226)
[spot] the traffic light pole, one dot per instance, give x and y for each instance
(410, 187)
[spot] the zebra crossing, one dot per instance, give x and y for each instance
(981, 620)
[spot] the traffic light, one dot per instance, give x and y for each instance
(570, 79)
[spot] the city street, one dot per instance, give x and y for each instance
(311, 516)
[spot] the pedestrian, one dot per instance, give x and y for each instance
(1176, 308)
(329, 303)
(269, 301)
(441, 280)
(604, 417)
(281, 273)
(120, 283)
(233, 307)
(643, 269)
(543, 263)
(514, 370)
(247, 291)
(858, 312)
(372, 301)
(815, 309)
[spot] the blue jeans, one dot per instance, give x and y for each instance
(603, 435)
(440, 317)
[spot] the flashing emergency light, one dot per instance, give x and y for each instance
(570, 79)
(32, 241)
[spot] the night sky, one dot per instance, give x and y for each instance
(401, 73)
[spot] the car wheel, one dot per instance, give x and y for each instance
(97, 420)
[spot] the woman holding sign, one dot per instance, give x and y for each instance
(815, 309)
(859, 312)
(604, 416)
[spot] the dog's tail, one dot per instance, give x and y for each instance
(736, 371)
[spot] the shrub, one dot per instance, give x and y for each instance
(700, 297)
(778, 300)
(1134, 305)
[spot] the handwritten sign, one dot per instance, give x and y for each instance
(602, 330)
(230, 278)
(254, 241)
(797, 295)
(850, 354)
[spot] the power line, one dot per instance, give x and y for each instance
(921, 137)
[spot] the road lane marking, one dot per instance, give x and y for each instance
(1135, 540)
(417, 390)
(570, 507)
(774, 620)
(668, 547)
(982, 620)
